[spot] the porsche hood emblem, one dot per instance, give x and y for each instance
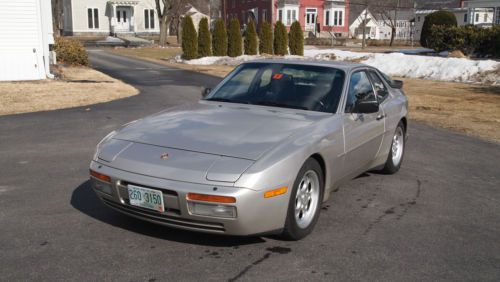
(164, 156)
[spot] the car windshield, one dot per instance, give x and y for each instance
(305, 87)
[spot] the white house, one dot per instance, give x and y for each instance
(480, 6)
(356, 20)
(26, 36)
(378, 26)
(112, 17)
(104, 17)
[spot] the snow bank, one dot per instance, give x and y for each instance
(394, 64)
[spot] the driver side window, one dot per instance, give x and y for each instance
(360, 89)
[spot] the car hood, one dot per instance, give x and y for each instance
(224, 129)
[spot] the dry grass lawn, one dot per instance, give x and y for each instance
(79, 86)
(468, 108)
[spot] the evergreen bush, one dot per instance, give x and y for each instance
(234, 45)
(296, 39)
(189, 39)
(280, 39)
(219, 39)
(204, 41)
(251, 39)
(444, 18)
(266, 39)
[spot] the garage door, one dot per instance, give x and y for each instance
(21, 53)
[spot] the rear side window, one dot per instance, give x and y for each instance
(360, 88)
(380, 88)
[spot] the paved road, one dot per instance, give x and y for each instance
(437, 219)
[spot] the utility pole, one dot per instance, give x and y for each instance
(363, 43)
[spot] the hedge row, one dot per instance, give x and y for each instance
(468, 39)
(229, 42)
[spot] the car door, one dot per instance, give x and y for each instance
(363, 132)
(391, 108)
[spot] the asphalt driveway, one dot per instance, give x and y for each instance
(437, 219)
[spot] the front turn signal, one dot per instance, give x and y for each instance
(210, 198)
(275, 192)
(100, 176)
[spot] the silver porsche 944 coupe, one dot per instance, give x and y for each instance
(259, 153)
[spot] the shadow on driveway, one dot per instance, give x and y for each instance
(86, 201)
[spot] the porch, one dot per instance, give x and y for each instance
(122, 16)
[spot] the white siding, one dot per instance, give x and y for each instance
(21, 50)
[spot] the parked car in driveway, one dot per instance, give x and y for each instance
(260, 152)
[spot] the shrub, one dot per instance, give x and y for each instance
(204, 41)
(189, 39)
(219, 39)
(266, 39)
(445, 18)
(296, 39)
(467, 39)
(234, 40)
(280, 39)
(251, 39)
(70, 51)
(490, 42)
(444, 38)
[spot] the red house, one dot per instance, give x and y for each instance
(317, 17)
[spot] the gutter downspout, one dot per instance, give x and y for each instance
(47, 34)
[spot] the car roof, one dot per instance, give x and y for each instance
(343, 65)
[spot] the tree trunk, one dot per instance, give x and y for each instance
(163, 31)
(56, 17)
(363, 42)
(393, 32)
(179, 32)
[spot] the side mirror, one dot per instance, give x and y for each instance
(205, 92)
(398, 84)
(366, 107)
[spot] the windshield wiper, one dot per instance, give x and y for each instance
(281, 105)
(216, 99)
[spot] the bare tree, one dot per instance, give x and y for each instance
(364, 24)
(167, 11)
(388, 12)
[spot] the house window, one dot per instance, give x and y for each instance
(338, 18)
(93, 18)
(290, 15)
(477, 17)
(485, 18)
(327, 18)
(149, 18)
(418, 19)
(465, 18)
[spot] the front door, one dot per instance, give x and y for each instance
(123, 15)
(311, 16)
(363, 132)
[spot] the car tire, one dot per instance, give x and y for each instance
(397, 150)
(305, 201)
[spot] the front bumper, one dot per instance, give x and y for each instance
(255, 214)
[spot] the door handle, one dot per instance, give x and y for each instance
(381, 116)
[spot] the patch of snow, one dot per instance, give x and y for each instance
(394, 64)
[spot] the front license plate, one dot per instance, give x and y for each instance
(146, 198)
